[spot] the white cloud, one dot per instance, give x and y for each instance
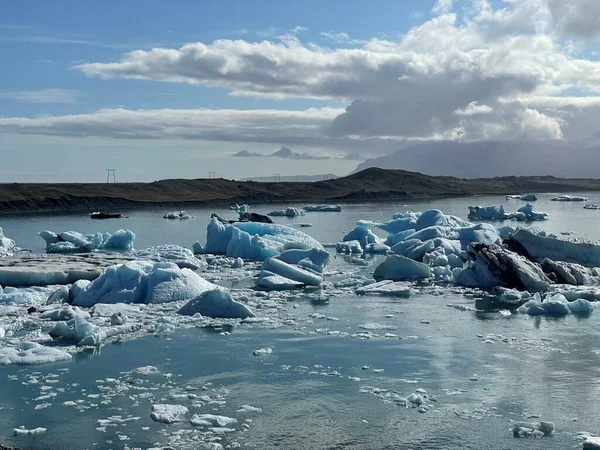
(472, 109)
(579, 18)
(66, 96)
(442, 6)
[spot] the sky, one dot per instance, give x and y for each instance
(161, 90)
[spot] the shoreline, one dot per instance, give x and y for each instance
(371, 185)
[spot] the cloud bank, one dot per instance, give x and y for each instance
(482, 73)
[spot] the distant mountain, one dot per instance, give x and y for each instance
(564, 159)
(294, 178)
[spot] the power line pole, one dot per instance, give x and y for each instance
(277, 177)
(212, 175)
(111, 173)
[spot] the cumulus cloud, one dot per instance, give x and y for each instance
(65, 96)
(580, 18)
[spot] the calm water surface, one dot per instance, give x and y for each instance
(330, 397)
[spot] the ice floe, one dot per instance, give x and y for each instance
(288, 212)
(398, 268)
(533, 429)
(568, 198)
(322, 208)
(165, 413)
(74, 242)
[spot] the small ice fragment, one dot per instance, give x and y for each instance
(262, 351)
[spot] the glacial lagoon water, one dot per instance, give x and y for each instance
(334, 367)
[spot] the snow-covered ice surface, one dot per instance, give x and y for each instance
(351, 363)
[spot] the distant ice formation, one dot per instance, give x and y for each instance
(239, 208)
(181, 215)
(568, 198)
(322, 208)
(525, 198)
(288, 212)
(74, 242)
(525, 213)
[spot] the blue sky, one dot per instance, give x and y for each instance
(74, 100)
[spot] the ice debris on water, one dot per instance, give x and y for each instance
(210, 420)
(555, 305)
(397, 268)
(28, 353)
(568, 198)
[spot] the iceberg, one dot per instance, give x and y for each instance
(491, 265)
(288, 212)
(252, 240)
(323, 208)
(218, 304)
(525, 213)
(293, 268)
(7, 246)
(292, 272)
(181, 215)
(74, 242)
(142, 282)
(536, 247)
(167, 413)
(397, 268)
(525, 198)
(361, 234)
(555, 305)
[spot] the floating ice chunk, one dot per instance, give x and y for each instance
(313, 259)
(322, 208)
(292, 272)
(143, 282)
(64, 313)
(31, 296)
(386, 287)
(248, 409)
(528, 198)
(118, 318)
(533, 429)
(271, 281)
(377, 248)
(537, 247)
(399, 268)
(217, 303)
(528, 213)
(240, 208)
(362, 234)
(238, 263)
(581, 306)
(30, 353)
(22, 431)
(74, 242)
(349, 247)
(493, 265)
(181, 215)
(183, 257)
(568, 198)
(7, 246)
(167, 413)
(591, 443)
(252, 240)
(488, 213)
(288, 212)
(210, 420)
(262, 351)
